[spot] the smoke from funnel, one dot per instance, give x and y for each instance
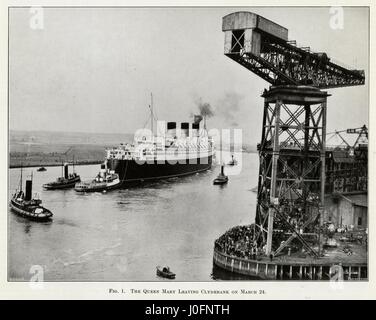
(197, 118)
(229, 108)
(205, 109)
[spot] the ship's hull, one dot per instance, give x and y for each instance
(132, 172)
(64, 185)
(98, 187)
(25, 212)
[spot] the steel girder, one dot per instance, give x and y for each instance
(282, 63)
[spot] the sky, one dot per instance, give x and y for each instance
(93, 69)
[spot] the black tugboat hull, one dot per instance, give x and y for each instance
(132, 173)
(23, 212)
(219, 182)
(56, 186)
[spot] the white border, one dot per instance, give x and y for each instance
(93, 290)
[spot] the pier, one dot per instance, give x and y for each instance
(291, 269)
(336, 266)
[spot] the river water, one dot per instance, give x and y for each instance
(122, 235)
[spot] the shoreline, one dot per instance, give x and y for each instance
(46, 164)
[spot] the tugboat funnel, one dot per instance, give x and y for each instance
(103, 170)
(29, 187)
(66, 170)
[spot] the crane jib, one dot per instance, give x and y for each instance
(262, 47)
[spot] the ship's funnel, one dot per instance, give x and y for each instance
(66, 170)
(195, 129)
(29, 187)
(103, 170)
(171, 129)
(184, 129)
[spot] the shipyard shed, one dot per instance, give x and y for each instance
(347, 210)
(345, 172)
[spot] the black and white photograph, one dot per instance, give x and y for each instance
(188, 144)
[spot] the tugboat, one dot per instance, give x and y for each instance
(26, 206)
(221, 178)
(165, 272)
(233, 161)
(105, 180)
(41, 169)
(67, 180)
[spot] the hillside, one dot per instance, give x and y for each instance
(37, 148)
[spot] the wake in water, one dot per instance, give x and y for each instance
(85, 257)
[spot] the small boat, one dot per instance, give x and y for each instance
(105, 180)
(221, 178)
(67, 180)
(233, 161)
(41, 169)
(165, 272)
(26, 206)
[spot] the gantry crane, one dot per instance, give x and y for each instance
(362, 138)
(291, 184)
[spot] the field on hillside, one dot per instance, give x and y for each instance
(53, 148)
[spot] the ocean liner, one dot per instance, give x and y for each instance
(174, 153)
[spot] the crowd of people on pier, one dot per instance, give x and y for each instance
(239, 241)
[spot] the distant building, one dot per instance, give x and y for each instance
(346, 170)
(347, 210)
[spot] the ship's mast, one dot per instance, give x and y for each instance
(21, 179)
(152, 115)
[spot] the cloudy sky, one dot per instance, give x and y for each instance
(93, 69)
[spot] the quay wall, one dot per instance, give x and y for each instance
(290, 270)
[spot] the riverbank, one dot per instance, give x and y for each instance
(47, 164)
(54, 154)
(49, 149)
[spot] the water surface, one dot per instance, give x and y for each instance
(122, 235)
